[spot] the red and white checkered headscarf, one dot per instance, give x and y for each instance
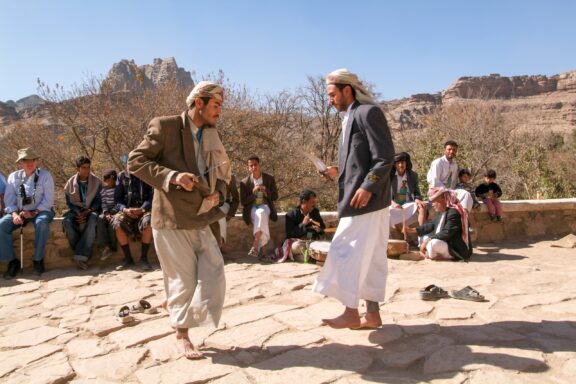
(452, 202)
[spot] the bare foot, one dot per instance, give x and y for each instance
(349, 319)
(165, 305)
(371, 320)
(190, 351)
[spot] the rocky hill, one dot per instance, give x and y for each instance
(126, 75)
(540, 101)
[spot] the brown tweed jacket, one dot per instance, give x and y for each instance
(168, 146)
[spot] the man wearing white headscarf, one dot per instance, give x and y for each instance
(356, 268)
(183, 158)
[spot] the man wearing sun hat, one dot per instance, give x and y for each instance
(183, 158)
(29, 198)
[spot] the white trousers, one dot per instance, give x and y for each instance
(357, 264)
(437, 249)
(260, 218)
(194, 280)
(406, 213)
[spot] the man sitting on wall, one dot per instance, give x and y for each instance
(82, 193)
(133, 202)
(302, 223)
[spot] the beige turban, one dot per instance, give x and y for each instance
(344, 76)
(205, 89)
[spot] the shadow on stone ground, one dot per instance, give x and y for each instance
(435, 355)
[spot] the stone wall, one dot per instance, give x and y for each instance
(523, 219)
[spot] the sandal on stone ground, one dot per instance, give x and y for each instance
(468, 293)
(123, 315)
(433, 292)
(143, 306)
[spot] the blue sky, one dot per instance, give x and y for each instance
(402, 47)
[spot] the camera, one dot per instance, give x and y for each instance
(25, 199)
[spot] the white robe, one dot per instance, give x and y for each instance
(357, 264)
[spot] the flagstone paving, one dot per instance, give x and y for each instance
(62, 328)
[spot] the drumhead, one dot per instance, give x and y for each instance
(322, 246)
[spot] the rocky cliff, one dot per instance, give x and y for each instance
(126, 75)
(540, 101)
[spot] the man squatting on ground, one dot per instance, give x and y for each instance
(357, 267)
(183, 158)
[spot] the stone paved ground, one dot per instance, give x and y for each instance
(62, 328)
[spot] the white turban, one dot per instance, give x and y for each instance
(205, 89)
(344, 76)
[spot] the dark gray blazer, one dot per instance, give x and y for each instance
(365, 160)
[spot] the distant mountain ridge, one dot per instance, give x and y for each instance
(540, 100)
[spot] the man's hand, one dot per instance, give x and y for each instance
(423, 247)
(214, 198)
(17, 219)
(330, 173)
(185, 180)
(395, 204)
(360, 198)
(306, 220)
(133, 213)
(420, 203)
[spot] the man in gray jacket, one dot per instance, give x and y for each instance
(356, 267)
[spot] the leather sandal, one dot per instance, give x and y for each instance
(433, 292)
(468, 293)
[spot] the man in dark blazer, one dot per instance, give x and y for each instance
(183, 158)
(258, 193)
(444, 238)
(356, 267)
(406, 196)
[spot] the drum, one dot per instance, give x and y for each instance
(397, 247)
(319, 251)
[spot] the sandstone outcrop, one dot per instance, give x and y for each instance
(127, 76)
(539, 101)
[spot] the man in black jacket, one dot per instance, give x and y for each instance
(303, 223)
(446, 237)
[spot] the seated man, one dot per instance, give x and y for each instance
(302, 223)
(133, 202)
(105, 230)
(406, 196)
(82, 193)
(29, 198)
(257, 195)
(446, 237)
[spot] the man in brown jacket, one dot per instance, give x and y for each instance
(183, 158)
(258, 193)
